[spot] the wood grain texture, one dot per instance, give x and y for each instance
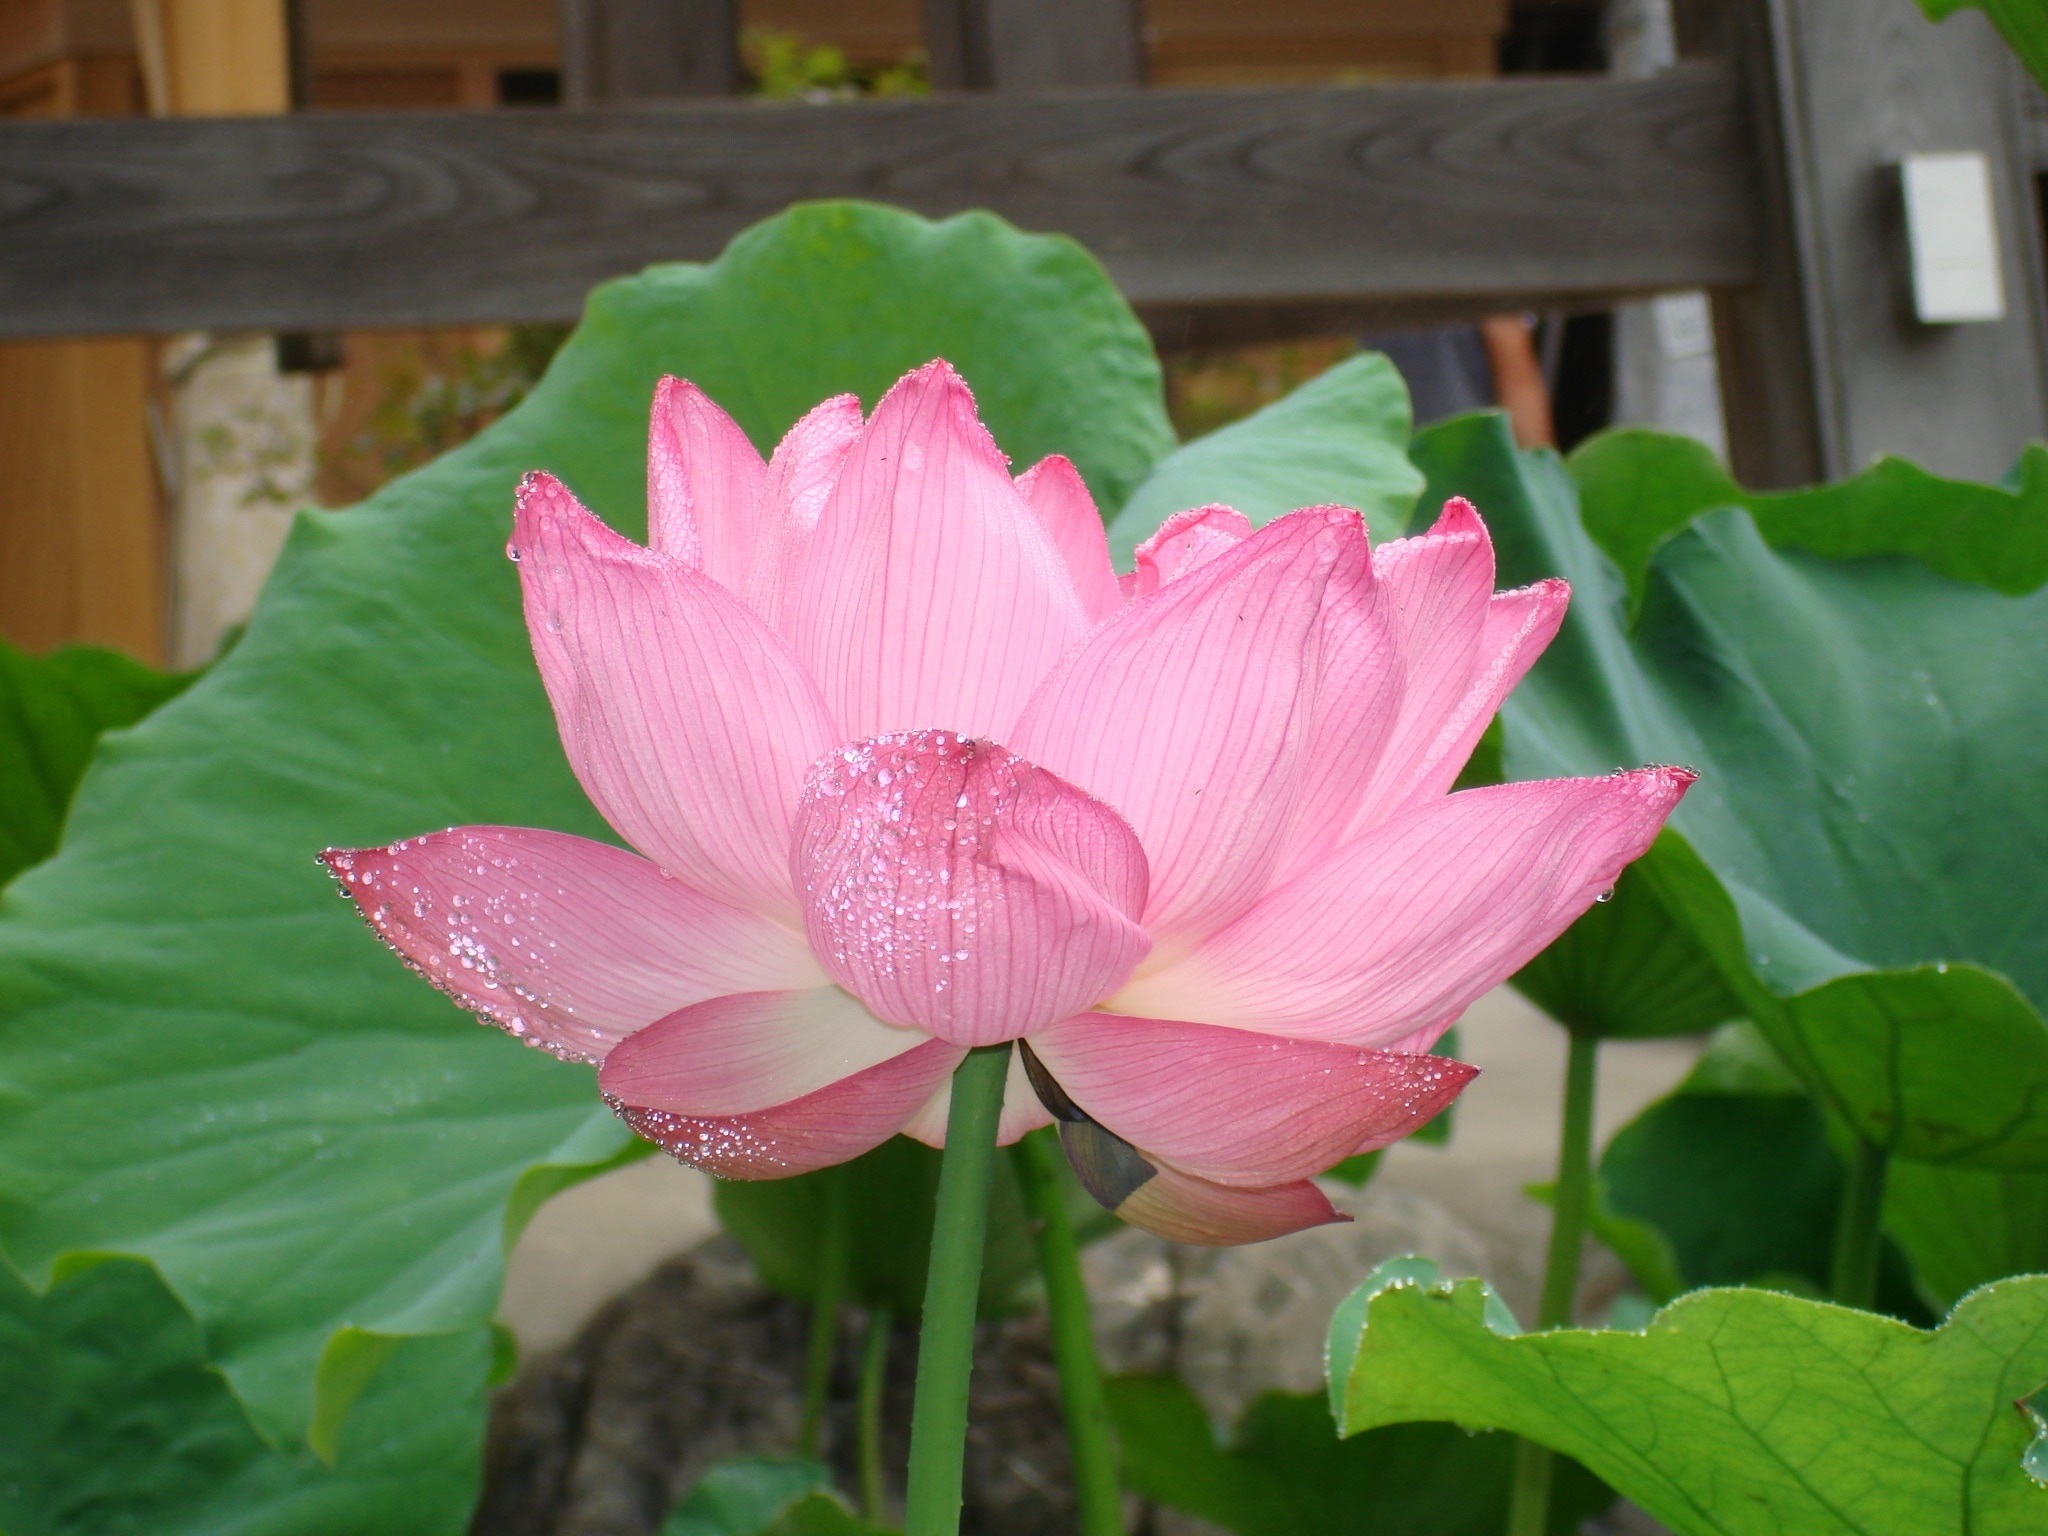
(1563, 191)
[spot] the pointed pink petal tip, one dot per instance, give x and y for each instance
(1460, 516)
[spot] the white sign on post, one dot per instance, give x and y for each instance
(1952, 228)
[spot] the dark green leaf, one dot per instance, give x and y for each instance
(212, 1064)
(1285, 1472)
(1860, 858)
(1736, 1179)
(1341, 439)
(1743, 1187)
(114, 1423)
(53, 710)
(1965, 1227)
(1737, 1412)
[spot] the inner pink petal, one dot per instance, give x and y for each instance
(929, 594)
(953, 886)
(1054, 490)
(704, 483)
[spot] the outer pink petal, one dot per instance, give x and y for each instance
(1189, 712)
(1183, 1209)
(1022, 1112)
(1519, 625)
(685, 717)
(954, 887)
(1183, 544)
(930, 596)
(703, 484)
(1054, 490)
(801, 475)
(1406, 926)
(1439, 587)
(751, 1050)
(570, 945)
(833, 1125)
(1237, 1107)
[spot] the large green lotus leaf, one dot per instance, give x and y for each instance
(52, 711)
(1339, 440)
(114, 1423)
(1964, 1227)
(1736, 1412)
(1638, 487)
(1285, 1473)
(1860, 856)
(209, 1062)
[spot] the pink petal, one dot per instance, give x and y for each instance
(801, 475)
(930, 596)
(1237, 1107)
(1188, 712)
(1054, 490)
(957, 888)
(833, 1125)
(703, 484)
(1022, 1112)
(570, 945)
(1404, 927)
(685, 717)
(1439, 588)
(751, 1050)
(1359, 680)
(1185, 543)
(1182, 1209)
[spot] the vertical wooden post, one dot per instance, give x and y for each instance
(1027, 45)
(81, 532)
(81, 527)
(1824, 367)
(636, 50)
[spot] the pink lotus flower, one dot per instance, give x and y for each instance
(912, 770)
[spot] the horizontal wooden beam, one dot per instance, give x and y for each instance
(1351, 200)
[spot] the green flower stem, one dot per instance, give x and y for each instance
(1529, 1498)
(1098, 1501)
(834, 1245)
(945, 1346)
(1858, 1233)
(874, 1375)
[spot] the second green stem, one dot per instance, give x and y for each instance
(1098, 1503)
(1859, 1228)
(1529, 1498)
(835, 1243)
